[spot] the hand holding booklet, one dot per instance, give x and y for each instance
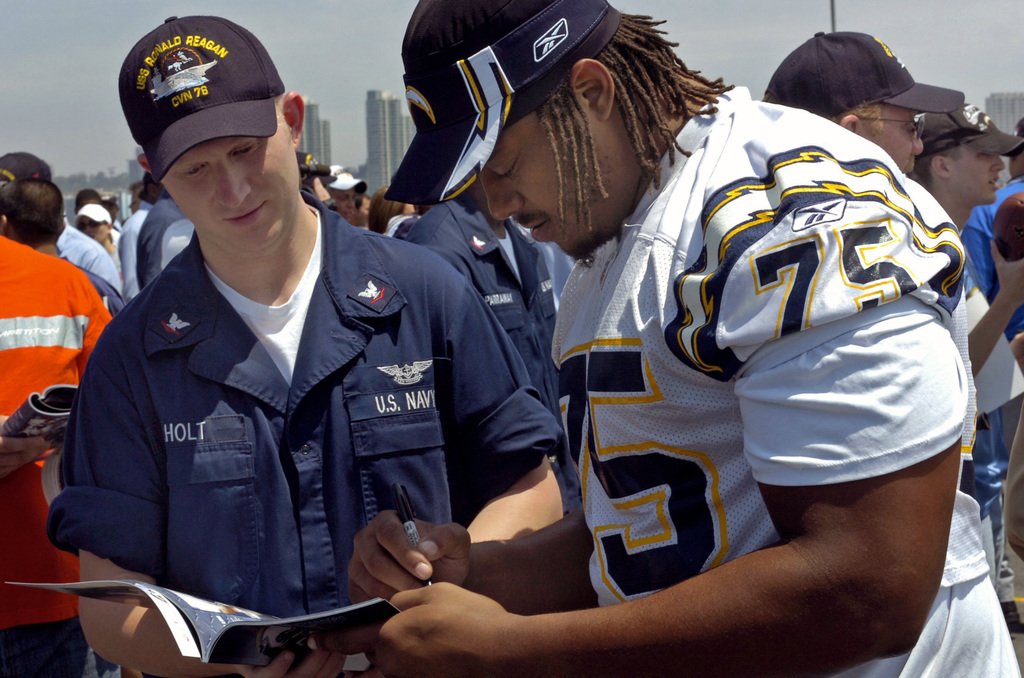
(224, 634)
(42, 414)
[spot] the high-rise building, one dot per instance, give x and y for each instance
(1005, 109)
(316, 133)
(389, 132)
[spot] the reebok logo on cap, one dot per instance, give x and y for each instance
(549, 41)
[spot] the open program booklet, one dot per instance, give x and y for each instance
(225, 634)
(42, 414)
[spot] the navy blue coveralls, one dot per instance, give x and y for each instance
(190, 459)
(524, 306)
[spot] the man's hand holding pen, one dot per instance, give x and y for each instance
(384, 560)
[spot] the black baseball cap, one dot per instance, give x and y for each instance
(22, 165)
(471, 68)
(194, 79)
(967, 126)
(836, 72)
(1019, 129)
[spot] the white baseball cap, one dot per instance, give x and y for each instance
(345, 181)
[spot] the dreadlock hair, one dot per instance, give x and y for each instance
(652, 85)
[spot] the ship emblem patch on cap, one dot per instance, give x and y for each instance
(179, 70)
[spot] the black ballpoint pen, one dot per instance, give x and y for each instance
(406, 514)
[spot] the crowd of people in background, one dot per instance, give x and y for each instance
(641, 347)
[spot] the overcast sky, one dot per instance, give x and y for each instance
(58, 87)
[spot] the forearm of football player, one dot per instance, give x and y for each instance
(546, 571)
(533, 502)
(853, 579)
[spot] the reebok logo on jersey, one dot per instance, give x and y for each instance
(551, 39)
(405, 375)
(174, 324)
(372, 292)
(821, 213)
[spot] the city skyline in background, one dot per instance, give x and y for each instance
(58, 95)
(1006, 109)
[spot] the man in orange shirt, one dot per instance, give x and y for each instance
(50, 318)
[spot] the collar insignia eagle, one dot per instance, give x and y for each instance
(174, 324)
(372, 292)
(405, 375)
(478, 242)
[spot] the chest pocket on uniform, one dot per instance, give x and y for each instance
(506, 310)
(212, 530)
(397, 435)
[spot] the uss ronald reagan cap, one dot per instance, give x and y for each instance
(967, 126)
(836, 72)
(194, 79)
(471, 68)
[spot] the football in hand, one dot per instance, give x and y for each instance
(1008, 227)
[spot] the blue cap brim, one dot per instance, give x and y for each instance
(928, 99)
(236, 119)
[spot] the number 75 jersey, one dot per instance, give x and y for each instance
(779, 227)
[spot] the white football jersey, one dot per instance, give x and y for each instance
(764, 317)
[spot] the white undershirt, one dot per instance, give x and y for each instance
(279, 328)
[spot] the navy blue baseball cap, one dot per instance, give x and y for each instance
(472, 68)
(833, 73)
(194, 79)
(22, 165)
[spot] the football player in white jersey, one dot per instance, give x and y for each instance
(762, 370)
